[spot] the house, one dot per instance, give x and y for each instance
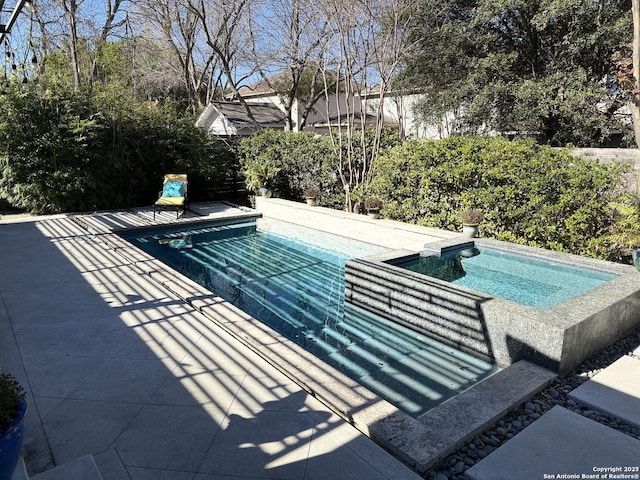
(332, 111)
(230, 119)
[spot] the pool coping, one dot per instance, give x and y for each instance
(419, 442)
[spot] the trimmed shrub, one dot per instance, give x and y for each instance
(300, 158)
(529, 193)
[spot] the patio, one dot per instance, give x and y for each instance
(120, 369)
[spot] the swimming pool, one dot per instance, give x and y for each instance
(523, 279)
(297, 288)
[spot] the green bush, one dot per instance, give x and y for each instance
(300, 160)
(64, 151)
(305, 159)
(529, 193)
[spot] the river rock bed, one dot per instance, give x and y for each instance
(455, 465)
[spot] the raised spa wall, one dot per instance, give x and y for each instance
(492, 328)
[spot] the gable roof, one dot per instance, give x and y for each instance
(231, 118)
(266, 114)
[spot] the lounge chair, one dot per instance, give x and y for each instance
(173, 194)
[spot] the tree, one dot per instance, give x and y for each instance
(368, 41)
(223, 26)
(543, 68)
(184, 64)
(72, 12)
(288, 42)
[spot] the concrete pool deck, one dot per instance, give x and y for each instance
(123, 365)
(121, 369)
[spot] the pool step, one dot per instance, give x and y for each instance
(437, 433)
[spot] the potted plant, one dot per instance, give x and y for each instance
(259, 176)
(13, 406)
(373, 205)
(311, 195)
(471, 219)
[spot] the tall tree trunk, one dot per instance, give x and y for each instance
(635, 103)
(71, 11)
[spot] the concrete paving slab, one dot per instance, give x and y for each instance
(82, 468)
(169, 437)
(124, 380)
(136, 473)
(59, 376)
(615, 391)
(559, 443)
(81, 427)
(41, 339)
(97, 341)
(196, 386)
(110, 466)
(274, 444)
(21, 471)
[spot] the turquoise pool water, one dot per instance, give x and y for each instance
(297, 288)
(523, 279)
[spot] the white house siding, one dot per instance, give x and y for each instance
(337, 105)
(401, 108)
(221, 126)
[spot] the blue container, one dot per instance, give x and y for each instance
(11, 444)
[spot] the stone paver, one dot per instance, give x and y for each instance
(559, 443)
(615, 391)
(81, 468)
(121, 371)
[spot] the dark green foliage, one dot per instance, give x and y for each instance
(624, 234)
(540, 68)
(529, 193)
(64, 151)
(301, 160)
(11, 392)
(304, 159)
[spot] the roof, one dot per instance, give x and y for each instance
(262, 88)
(257, 89)
(232, 117)
(266, 114)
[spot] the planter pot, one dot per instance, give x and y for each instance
(265, 192)
(635, 254)
(373, 213)
(11, 444)
(311, 202)
(470, 230)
